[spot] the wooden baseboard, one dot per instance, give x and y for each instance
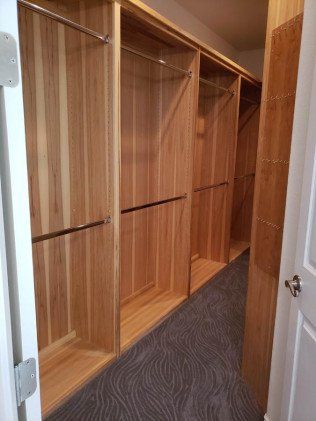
(142, 313)
(237, 248)
(135, 294)
(65, 367)
(202, 270)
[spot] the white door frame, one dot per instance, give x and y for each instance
(18, 245)
(286, 314)
(8, 408)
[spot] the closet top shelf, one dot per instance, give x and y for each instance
(138, 8)
(61, 19)
(161, 62)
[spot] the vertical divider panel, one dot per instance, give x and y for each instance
(115, 127)
(232, 163)
(195, 104)
(116, 132)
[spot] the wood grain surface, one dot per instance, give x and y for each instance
(154, 249)
(269, 204)
(67, 120)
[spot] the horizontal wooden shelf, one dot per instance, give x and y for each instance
(237, 248)
(65, 367)
(202, 270)
(140, 314)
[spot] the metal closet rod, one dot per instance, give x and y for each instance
(188, 73)
(251, 101)
(65, 231)
(65, 21)
(215, 85)
(149, 205)
(211, 186)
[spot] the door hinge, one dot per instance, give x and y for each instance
(9, 72)
(25, 379)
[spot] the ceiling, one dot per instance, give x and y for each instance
(241, 23)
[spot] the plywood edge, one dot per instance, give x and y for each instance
(231, 175)
(139, 8)
(116, 124)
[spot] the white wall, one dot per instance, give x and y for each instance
(252, 60)
(180, 16)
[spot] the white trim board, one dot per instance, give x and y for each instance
(8, 408)
(14, 184)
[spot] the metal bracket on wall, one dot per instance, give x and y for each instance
(9, 72)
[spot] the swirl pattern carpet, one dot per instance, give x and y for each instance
(186, 369)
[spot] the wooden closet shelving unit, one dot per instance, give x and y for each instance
(213, 179)
(70, 143)
(131, 164)
(245, 168)
(157, 106)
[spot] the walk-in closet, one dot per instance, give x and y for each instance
(141, 147)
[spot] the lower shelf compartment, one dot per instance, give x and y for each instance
(202, 270)
(140, 314)
(237, 248)
(66, 367)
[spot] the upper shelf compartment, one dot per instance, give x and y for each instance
(67, 91)
(157, 102)
(216, 126)
(248, 127)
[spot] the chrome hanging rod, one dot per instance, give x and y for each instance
(65, 231)
(188, 73)
(251, 101)
(65, 21)
(214, 85)
(210, 186)
(149, 205)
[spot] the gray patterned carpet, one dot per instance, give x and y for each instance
(187, 369)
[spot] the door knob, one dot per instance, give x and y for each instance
(294, 285)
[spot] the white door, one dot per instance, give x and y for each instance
(17, 232)
(299, 397)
